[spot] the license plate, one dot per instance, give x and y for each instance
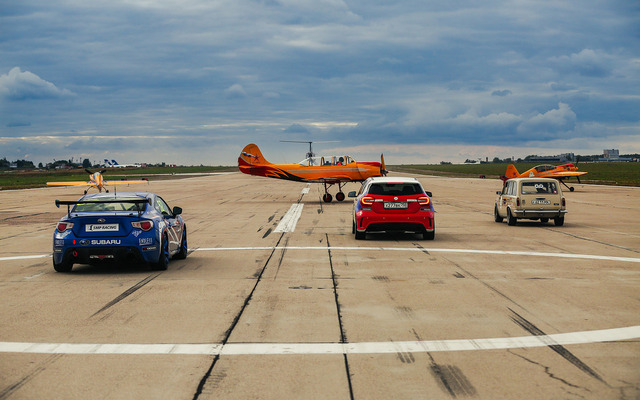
(396, 205)
(102, 227)
(541, 202)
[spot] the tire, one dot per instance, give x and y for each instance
(428, 235)
(184, 248)
(64, 266)
(496, 216)
(163, 260)
(361, 235)
(544, 220)
(353, 226)
(559, 221)
(511, 220)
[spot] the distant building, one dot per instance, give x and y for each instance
(562, 158)
(612, 155)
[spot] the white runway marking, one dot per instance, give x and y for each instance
(290, 219)
(415, 249)
(604, 335)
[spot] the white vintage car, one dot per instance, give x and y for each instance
(530, 198)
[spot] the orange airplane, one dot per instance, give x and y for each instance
(559, 172)
(95, 181)
(326, 170)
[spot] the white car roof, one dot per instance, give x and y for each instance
(394, 179)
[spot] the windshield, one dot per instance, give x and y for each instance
(539, 188)
(93, 205)
(396, 189)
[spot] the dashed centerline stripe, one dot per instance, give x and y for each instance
(290, 219)
(422, 346)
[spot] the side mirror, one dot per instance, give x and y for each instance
(429, 194)
(352, 194)
(176, 211)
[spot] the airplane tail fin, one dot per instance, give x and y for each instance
(251, 156)
(512, 172)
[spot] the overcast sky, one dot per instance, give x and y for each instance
(193, 81)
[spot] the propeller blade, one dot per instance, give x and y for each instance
(383, 167)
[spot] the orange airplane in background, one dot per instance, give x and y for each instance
(326, 170)
(559, 172)
(95, 181)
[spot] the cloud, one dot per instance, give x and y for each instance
(235, 91)
(501, 93)
(296, 128)
(549, 124)
(587, 62)
(20, 86)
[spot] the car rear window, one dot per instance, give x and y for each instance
(95, 206)
(396, 189)
(539, 188)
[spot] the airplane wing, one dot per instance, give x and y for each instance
(73, 183)
(330, 179)
(562, 174)
(122, 182)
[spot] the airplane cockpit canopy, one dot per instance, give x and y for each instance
(546, 167)
(326, 160)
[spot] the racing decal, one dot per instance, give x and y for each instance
(97, 242)
(58, 242)
(136, 233)
(143, 241)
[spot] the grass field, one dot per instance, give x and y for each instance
(611, 173)
(627, 174)
(19, 179)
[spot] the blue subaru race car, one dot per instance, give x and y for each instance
(105, 227)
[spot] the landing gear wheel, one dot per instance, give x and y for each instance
(64, 266)
(571, 189)
(511, 220)
(163, 259)
(327, 198)
(496, 216)
(340, 196)
(182, 254)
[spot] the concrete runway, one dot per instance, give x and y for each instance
(267, 310)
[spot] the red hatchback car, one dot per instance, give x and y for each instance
(388, 204)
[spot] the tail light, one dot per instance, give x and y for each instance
(564, 202)
(144, 225)
(518, 201)
(424, 200)
(63, 226)
(367, 200)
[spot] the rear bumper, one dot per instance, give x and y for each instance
(92, 255)
(539, 213)
(372, 222)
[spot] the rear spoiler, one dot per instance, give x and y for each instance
(70, 203)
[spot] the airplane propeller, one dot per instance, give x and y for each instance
(383, 167)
